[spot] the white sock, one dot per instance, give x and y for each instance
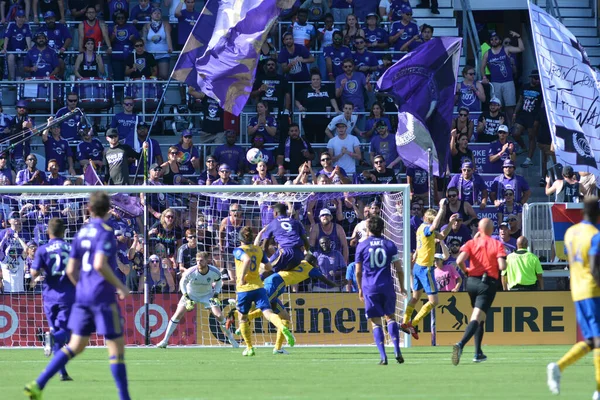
(170, 329)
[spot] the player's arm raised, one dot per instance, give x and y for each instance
(101, 266)
(439, 217)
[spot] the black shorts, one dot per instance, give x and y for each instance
(526, 120)
(482, 294)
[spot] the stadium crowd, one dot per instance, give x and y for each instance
(330, 94)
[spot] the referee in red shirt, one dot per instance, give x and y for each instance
(488, 258)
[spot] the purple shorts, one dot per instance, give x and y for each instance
(380, 304)
(104, 319)
(287, 258)
(58, 315)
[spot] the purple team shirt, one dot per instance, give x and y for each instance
(52, 259)
(68, 128)
(45, 60)
(299, 72)
(16, 36)
(90, 150)
(496, 167)
(463, 234)
(385, 147)
(337, 57)
(186, 23)
(94, 238)
(468, 191)
(287, 232)
(122, 46)
(234, 156)
(410, 30)
(58, 150)
(517, 183)
(419, 179)
(353, 89)
(376, 254)
(125, 124)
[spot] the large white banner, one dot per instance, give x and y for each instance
(571, 93)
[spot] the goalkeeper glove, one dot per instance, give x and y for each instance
(189, 303)
(214, 301)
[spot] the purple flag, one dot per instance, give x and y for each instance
(90, 177)
(423, 85)
(221, 54)
(127, 205)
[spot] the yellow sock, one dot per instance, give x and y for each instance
(597, 365)
(578, 350)
(246, 333)
(278, 322)
(408, 314)
(254, 314)
(426, 309)
(280, 337)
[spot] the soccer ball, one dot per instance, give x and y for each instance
(254, 156)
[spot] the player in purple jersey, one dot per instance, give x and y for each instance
(58, 291)
(374, 258)
(91, 266)
(289, 235)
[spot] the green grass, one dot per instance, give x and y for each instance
(511, 372)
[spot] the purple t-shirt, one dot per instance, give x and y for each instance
(122, 42)
(376, 256)
(509, 246)
(286, 231)
(337, 58)
(468, 191)
(328, 262)
(420, 182)
(299, 72)
(16, 36)
(341, 4)
(57, 36)
(334, 178)
(517, 183)
(125, 124)
(185, 166)
(90, 150)
(233, 156)
(378, 35)
(270, 122)
(385, 147)
(353, 89)
(68, 128)
(463, 234)
(397, 7)
(137, 14)
(496, 167)
(58, 150)
(52, 259)
(118, 5)
(365, 58)
(45, 60)
(186, 23)
(94, 238)
(410, 30)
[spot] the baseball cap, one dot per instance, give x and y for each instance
(186, 132)
(508, 163)
(369, 15)
(224, 167)
(20, 13)
(14, 215)
(495, 100)
(567, 171)
(112, 132)
(22, 103)
(340, 123)
(49, 14)
(142, 124)
(467, 164)
(324, 211)
(31, 243)
(503, 128)
(154, 166)
(494, 33)
(504, 224)
(438, 256)
(534, 72)
(153, 257)
(454, 241)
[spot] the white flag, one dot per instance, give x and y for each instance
(571, 93)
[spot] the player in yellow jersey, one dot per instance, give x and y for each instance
(249, 288)
(423, 270)
(582, 245)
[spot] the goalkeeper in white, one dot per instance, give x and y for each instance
(200, 284)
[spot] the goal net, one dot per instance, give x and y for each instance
(172, 224)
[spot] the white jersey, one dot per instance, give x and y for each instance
(361, 231)
(197, 285)
(13, 274)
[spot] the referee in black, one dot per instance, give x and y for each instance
(488, 258)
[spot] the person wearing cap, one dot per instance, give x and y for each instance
(497, 58)
(503, 236)
(58, 34)
(12, 264)
(471, 187)
(159, 280)
(57, 148)
(469, 92)
(327, 227)
(20, 123)
(12, 236)
(89, 150)
(344, 149)
(508, 179)
(445, 274)
(220, 207)
(118, 158)
(125, 121)
(157, 35)
(456, 230)
(210, 173)
(527, 115)
(17, 39)
(231, 154)
(376, 37)
(347, 117)
(190, 155)
(508, 207)
(401, 31)
(140, 63)
(500, 150)
(565, 190)
(295, 59)
(92, 27)
(489, 121)
(523, 269)
(384, 144)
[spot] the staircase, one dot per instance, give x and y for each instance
(580, 18)
(444, 23)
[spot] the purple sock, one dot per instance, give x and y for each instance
(60, 359)
(380, 341)
(56, 349)
(61, 336)
(117, 367)
(394, 332)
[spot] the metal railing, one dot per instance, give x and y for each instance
(470, 35)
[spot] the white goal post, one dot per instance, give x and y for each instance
(318, 316)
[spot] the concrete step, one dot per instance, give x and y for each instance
(562, 4)
(588, 41)
(579, 22)
(437, 22)
(426, 13)
(576, 12)
(585, 31)
(445, 31)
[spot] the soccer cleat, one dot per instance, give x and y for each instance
(596, 395)
(66, 378)
(33, 391)
(553, 378)
(280, 351)
(400, 359)
(162, 344)
(237, 332)
(230, 318)
(383, 362)
(409, 329)
(48, 343)
(527, 163)
(479, 358)
(456, 353)
(248, 352)
(291, 340)
(234, 343)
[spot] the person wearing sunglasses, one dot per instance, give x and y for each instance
(463, 124)
(57, 148)
(122, 37)
(140, 62)
(167, 232)
(380, 174)
(457, 208)
(336, 174)
(504, 237)
(158, 277)
(489, 121)
(500, 150)
(402, 31)
(509, 180)
(31, 175)
(469, 92)
(125, 122)
(186, 254)
(471, 187)
(509, 207)
(69, 128)
(459, 151)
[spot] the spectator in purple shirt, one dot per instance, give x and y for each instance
(190, 157)
(384, 144)
(220, 207)
(471, 187)
(332, 265)
(402, 31)
(295, 59)
(41, 61)
(501, 150)
(264, 123)
(350, 87)
(376, 37)
(456, 230)
(510, 243)
(341, 9)
(31, 175)
(231, 154)
(258, 142)
(90, 149)
(122, 37)
(54, 179)
(70, 126)
(59, 37)
(57, 148)
(335, 55)
(136, 140)
(336, 173)
(17, 37)
(140, 13)
(418, 180)
(187, 18)
(509, 180)
(377, 114)
(125, 121)
(364, 61)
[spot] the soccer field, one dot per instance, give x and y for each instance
(511, 372)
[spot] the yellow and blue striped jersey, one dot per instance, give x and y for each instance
(425, 246)
(578, 246)
(252, 278)
(299, 274)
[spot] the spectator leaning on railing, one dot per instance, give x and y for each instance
(523, 269)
